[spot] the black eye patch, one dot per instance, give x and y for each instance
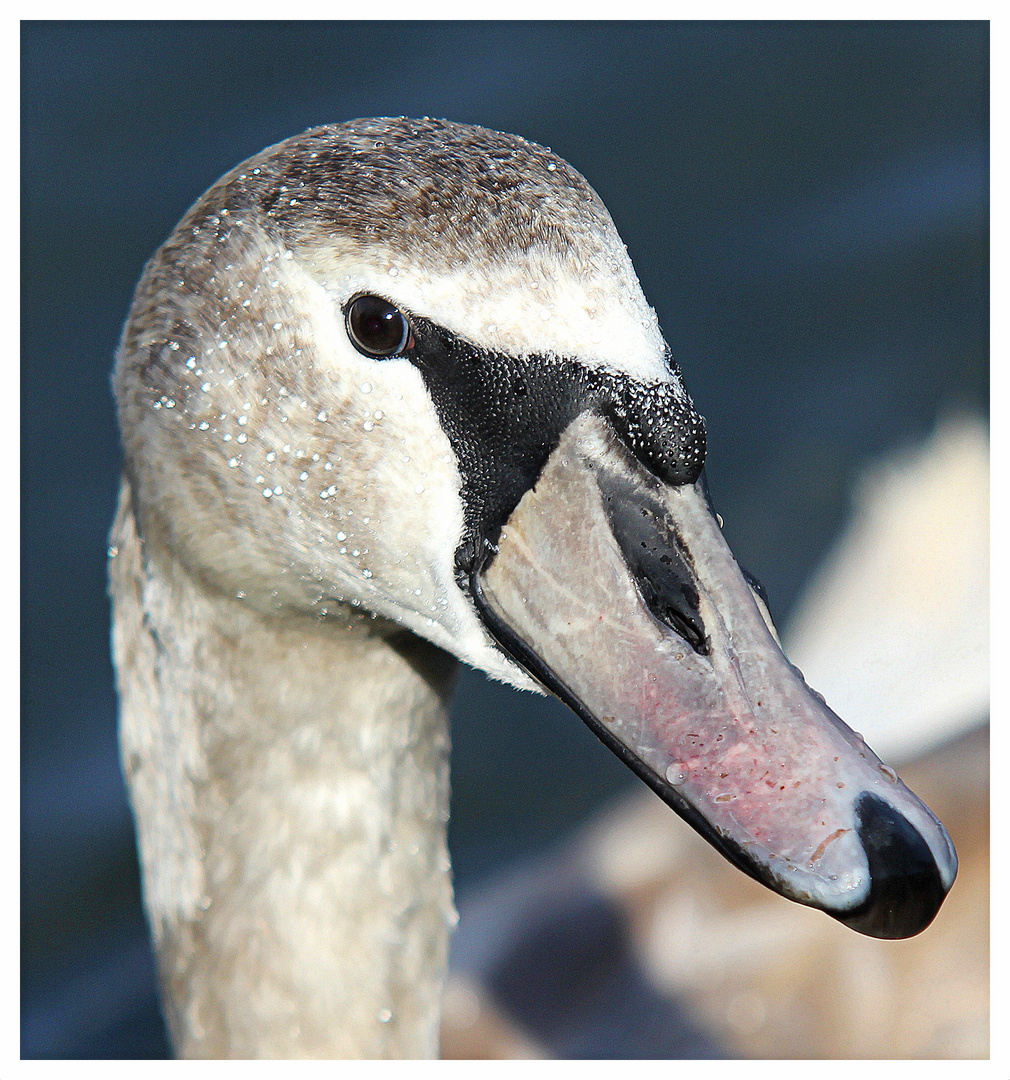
(505, 414)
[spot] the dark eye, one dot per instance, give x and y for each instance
(376, 328)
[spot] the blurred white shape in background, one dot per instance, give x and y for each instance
(893, 629)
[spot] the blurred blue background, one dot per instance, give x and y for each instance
(806, 205)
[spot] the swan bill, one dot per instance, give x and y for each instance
(617, 591)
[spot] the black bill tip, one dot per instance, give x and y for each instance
(906, 888)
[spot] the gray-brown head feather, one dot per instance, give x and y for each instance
(420, 186)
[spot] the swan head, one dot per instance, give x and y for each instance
(406, 368)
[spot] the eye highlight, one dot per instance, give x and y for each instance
(376, 328)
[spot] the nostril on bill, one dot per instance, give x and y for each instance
(906, 888)
(655, 557)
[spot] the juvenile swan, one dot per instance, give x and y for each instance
(391, 394)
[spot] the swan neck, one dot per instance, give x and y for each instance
(289, 779)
